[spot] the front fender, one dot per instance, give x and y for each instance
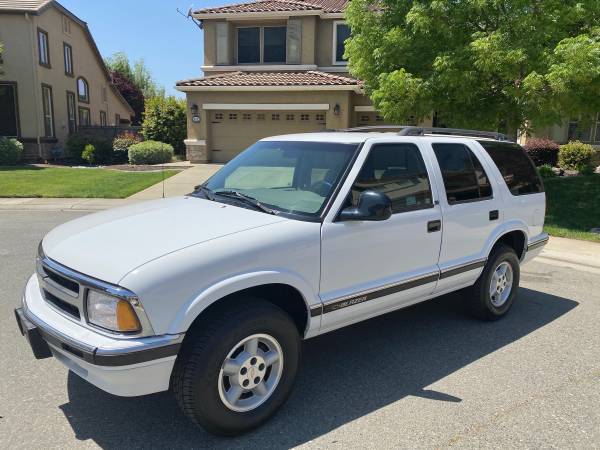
(217, 291)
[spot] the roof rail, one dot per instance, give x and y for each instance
(410, 130)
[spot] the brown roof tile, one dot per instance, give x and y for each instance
(308, 78)
(329, 6)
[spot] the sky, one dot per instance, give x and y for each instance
(171, 45)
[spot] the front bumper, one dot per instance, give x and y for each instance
(126, 367)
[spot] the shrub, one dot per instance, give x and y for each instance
(88, 154)
(586, 170)
(546, 171)
(575, 155)
(165, 121)
(11, 151)
(150, 152)
(121, 146)
(542, 151)
(103, 152)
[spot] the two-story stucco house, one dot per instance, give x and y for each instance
(271, 67)
(54, 79)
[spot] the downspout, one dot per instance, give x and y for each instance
(36, 93)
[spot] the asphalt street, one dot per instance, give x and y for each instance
(424, 377)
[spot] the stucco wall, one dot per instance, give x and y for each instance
(324, 42)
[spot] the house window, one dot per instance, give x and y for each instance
(9, 110)
(274, 116)
(66, 25)
(577, 132)
(320, 117)
(102, 118)
(257, 45)
(68, 54)
(84, 117)
(248, 45)
(48, 109)
(117, 119)
(218, 116)
(247, 116)
(232, 116)
(72, 121)
(341, 32)
(83, 90)
(43, 51)
(274, 44)
(304, 117)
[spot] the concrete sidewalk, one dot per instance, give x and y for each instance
(181, 184)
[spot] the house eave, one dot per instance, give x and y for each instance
(354, 88)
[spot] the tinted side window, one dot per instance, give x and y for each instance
(397, 170)
(515, 166)
(464, 177)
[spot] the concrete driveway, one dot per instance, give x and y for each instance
(424, 377)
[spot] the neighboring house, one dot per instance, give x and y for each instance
(572, 130)
(54, 78)
(271, 67)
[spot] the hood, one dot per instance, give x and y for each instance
(109, 244)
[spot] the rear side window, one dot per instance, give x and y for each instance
(515, 166)
(465, 179)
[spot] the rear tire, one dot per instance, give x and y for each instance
(492, 296)
(237, 367)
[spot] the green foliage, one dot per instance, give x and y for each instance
(165, 121)
(76, 144)
(88, 154)
(139, 74)
(542, 151)
(546, 171)
(150, 152)
(121, 146)
(586, 170)
(11, 151)
(575, 156)
(478, 63)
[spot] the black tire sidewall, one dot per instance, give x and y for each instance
(500, 255)
(210, 411)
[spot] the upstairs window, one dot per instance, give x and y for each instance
(256, 45)
(68, 53)
(83, 90)
(341, 32)
(464, 178)
(43, 50)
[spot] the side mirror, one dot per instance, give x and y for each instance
(372, 205)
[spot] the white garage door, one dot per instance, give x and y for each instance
(234, 131)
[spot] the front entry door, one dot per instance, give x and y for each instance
(370, 267)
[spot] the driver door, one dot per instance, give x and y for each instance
(370, 267)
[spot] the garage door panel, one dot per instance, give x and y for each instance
(233, 131)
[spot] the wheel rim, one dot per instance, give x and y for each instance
(501, 284)
(250, 373)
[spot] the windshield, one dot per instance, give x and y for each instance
(288, 176)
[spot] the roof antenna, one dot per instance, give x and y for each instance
(189, 15)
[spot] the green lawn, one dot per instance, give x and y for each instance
(32, 181)
(573, 206)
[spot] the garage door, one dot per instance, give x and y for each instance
(233, 131)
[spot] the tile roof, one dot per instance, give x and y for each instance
(328, 6)
(23, 5)
(308, 78)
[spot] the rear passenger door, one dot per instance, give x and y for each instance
(471, 210)
(369, 267)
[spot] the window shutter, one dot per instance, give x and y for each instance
(294, 41)
(222, 43)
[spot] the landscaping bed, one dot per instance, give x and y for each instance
(57, 182)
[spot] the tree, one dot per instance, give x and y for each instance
(139, 74)
(130, 93)
(478, 63)
(165, 121)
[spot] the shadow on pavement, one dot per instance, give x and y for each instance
(344, 375)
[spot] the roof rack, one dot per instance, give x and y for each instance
(410, 130)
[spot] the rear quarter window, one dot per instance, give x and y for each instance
(516, 167)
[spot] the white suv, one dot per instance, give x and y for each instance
(210, 294)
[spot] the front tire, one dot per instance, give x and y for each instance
(237, 367)
(492, 296)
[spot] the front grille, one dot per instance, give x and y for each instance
(67, 308)
(62, 281)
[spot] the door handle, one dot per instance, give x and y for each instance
(494, 214)
(434, 225)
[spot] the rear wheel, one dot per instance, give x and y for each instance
(237, 367)
(492, 296)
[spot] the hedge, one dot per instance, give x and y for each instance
(103, 152)
(150, 152)
(542, 151)
(575, 156)
(121, 146)
(11, 151)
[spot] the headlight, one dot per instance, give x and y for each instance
(112, 313)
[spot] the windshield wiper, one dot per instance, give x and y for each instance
(245, 199)
(208, 193)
